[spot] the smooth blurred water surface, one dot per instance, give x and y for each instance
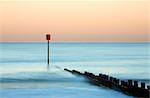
(23, 72)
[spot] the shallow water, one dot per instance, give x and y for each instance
(23, 72)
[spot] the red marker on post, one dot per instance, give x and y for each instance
(48, 38)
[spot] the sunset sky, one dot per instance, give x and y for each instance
(74, 20)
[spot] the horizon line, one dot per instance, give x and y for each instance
(75, 41)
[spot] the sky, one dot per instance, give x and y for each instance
(75, 20)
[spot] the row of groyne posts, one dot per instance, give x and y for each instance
(129, 87)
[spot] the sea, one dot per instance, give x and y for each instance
(24, 73)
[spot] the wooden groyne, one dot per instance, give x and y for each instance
(129, 87)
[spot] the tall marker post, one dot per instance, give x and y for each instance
(48, 38)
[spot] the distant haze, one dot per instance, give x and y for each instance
(85, 20)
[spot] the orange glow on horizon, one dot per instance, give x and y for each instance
(75, 20)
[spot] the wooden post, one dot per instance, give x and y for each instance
(117, 81)
(48, 37)
(135, 83)
(130, 82)
(111, 79)
(142, 85)
(148, 87)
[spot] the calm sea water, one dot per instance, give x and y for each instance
(23, 72)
